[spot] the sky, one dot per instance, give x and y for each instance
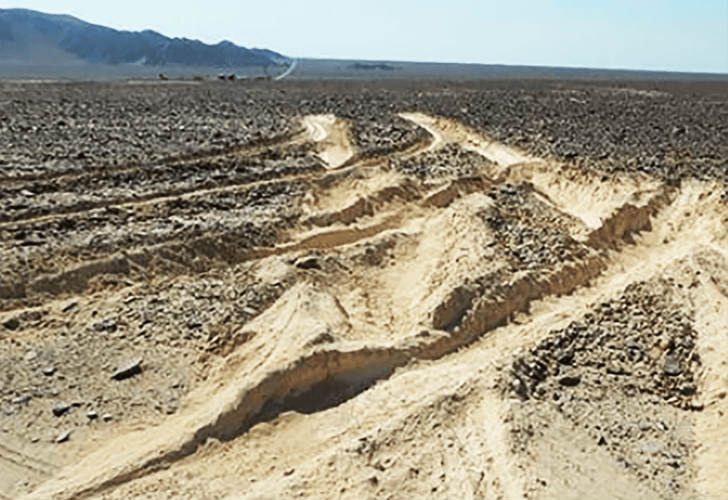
(674, 35)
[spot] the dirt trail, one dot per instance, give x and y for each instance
(379, 368)
(446, 131)
(591, 200)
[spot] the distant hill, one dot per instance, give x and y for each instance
(31, 38)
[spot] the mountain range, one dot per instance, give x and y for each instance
(34, 38)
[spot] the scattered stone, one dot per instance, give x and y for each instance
(688, 389)
(570, 380)
(60, 408)
(11, 324)
(672, 366)
(48, 370)
(565, 357)
(63, 436)
(22, 399)
(71, 306)
(129, 370)
(107, 417)
(92, 415)
(308, 263)
(108, 325)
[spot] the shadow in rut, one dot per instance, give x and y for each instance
(327, 394)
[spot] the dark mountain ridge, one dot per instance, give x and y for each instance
(26, 35)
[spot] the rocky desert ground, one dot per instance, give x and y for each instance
(364, 290)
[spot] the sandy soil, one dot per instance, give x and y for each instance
(507, 327)
(332, 136)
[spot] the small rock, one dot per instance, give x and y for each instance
(129, 370)
(672, 366)
(570, 380)
(107, 417)
(697, 405)
(289, 472)
(60, 408)
(22, 399)
(48, 370)
(308, 263)
(194, 324)
(70, 307)
(63, 437)
(688, 389)
(108, 325)
(92, 415)
(565, 357)
(11, 324)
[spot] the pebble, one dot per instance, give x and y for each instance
(672, 366)
(108, 325)
(11, 324)
(63, 437)
(60, 408)
(70, 307)
(570, 380)
(22, 399)
(128, 370)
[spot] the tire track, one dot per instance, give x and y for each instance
(221, 247)
(572, 283)
(353, 162)
(24, 461)
(249, 149)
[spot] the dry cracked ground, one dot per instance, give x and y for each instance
(334, 291)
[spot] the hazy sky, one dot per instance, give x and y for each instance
(689, 35)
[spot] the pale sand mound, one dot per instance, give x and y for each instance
(332, 137)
